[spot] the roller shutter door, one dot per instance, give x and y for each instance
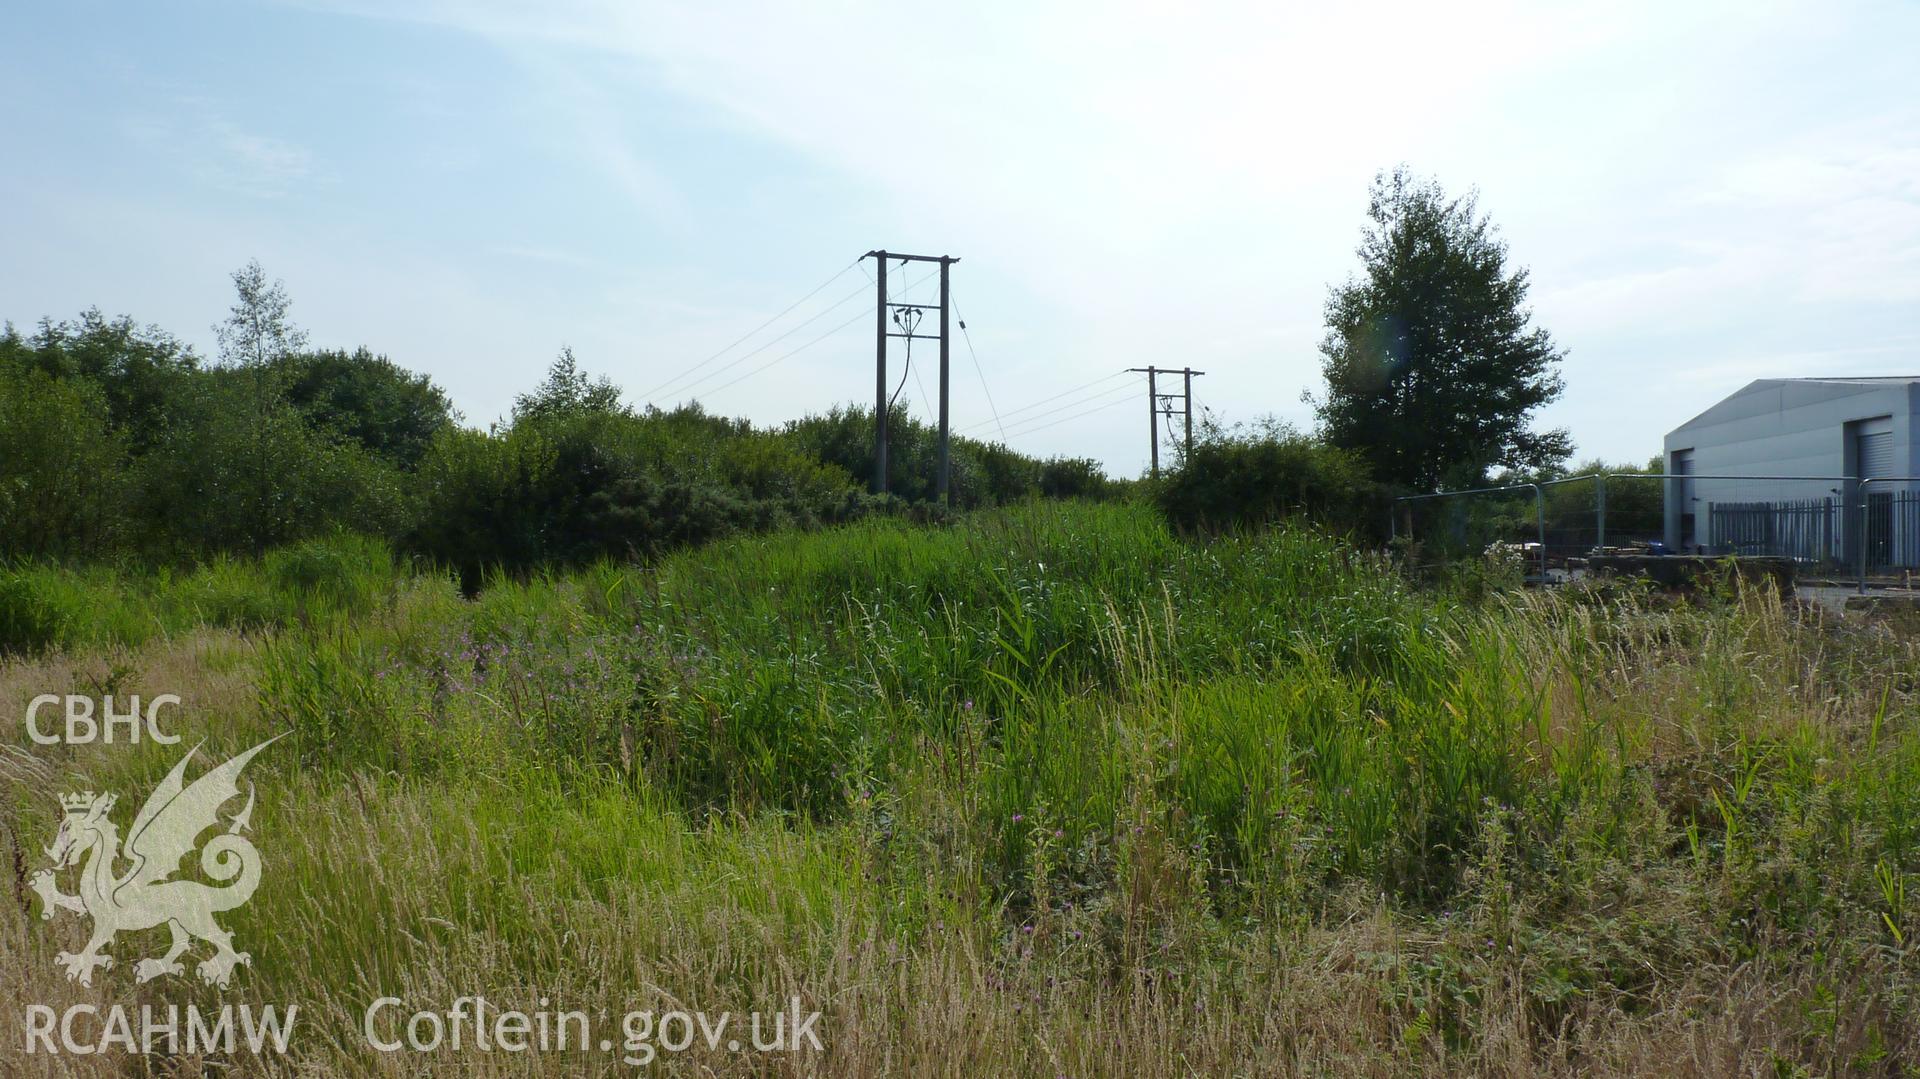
(1876, 455)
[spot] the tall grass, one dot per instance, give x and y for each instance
(1051, 790)
(45, 606)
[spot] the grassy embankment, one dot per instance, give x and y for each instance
(1047, 792)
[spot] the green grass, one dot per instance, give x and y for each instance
(1054, 757)
(45, 606)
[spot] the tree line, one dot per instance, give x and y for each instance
(118, 441)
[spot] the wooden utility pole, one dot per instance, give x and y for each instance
(940, 484)
(884, 308)
(880, 376)
(1153, 420)
(1186, 396)
(1159, 404)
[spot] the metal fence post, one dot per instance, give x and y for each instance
(1600, 503)
(1862, 589)
(1540, 519)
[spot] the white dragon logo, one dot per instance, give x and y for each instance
(164, 832)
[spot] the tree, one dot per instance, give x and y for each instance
(229, 475)
(1432, 371)
(257, 337)
(566, 392)
(257, 330)
(138, 370)
(61, 465)
(370, 399)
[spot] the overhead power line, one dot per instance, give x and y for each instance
(649, 395)
(688, 388)
(1069, 419)
(1079, 391)
(962, 319)
(1104, 395)
(892, 297)
(794, 352)
(1041, 421)
(922, 386)
(1063, 393)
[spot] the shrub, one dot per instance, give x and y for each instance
(226, 592)
(60, 466)
(33, 617)
(343, 572)
(570, 488)
(1233, 478)
(1073, 477)
(241, 470)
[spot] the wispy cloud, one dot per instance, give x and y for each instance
(551, 256)
(261, 162)
(1840, 206)
(195, 135)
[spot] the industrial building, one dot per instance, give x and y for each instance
(1803, 451)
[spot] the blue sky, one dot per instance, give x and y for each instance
(1704, 193)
